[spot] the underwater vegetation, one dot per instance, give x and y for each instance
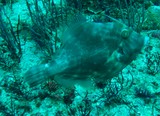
(153, 63)
(44, 25)
(11, 51)
(8, 1)
(42, 31)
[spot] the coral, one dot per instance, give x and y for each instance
(153, 63)
(45, 22)
(143, 93)
(10, 43)
(8, 1)
(152, 18)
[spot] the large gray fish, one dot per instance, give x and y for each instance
(90, 50)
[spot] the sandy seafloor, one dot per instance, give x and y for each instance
(137, 106)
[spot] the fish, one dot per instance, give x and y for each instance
(90, 50)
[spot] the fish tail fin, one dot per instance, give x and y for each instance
(36, 75)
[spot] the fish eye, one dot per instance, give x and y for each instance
(125, 33)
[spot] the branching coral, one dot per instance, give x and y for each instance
(10, 41)
(46, 18)
(153, 63)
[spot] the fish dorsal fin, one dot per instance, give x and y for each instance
(115, 20)
(125, 32)
(121, 24)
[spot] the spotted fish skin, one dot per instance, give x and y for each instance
(90, 50)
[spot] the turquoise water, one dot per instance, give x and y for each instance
(34, 33)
